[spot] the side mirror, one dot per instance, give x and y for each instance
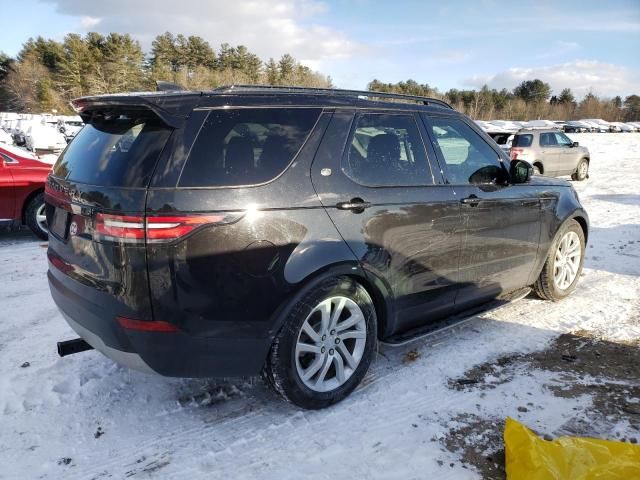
(520, 171)
(575, 144)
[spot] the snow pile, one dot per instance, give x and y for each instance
(85, 417)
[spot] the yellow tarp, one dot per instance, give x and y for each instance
(529, 457)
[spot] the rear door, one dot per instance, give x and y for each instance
(95, 210)
(373, 175)
(501, 222)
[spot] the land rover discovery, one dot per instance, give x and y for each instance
(287, 231)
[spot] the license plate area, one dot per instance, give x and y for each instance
(60, 224)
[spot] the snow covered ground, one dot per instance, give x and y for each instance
(85, 417)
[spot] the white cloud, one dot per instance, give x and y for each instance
(87, 22)
(268, 28)
(581, 76)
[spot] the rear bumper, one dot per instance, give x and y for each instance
(175, 354)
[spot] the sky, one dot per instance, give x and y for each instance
(584, 45)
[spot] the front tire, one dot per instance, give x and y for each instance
(563, 267)
(35, 217)
(325, 346)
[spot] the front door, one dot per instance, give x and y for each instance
(375, 179)
(566, 154)
(551, 153)
(7, 190)
(501, 222)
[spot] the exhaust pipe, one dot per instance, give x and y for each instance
(69, 347)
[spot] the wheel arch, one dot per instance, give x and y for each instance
(27, 201)
(584, 224)
(539, 164)
(374, 286)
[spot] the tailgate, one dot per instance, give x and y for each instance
(102, 177)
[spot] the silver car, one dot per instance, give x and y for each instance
(551, 153)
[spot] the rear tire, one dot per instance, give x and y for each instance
(35, 217)
(582, 171)
(307, 364)
(562, 269)
(536, 169)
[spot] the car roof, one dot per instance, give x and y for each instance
(173, 106)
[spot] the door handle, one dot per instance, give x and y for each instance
(472, 200)
(356, 205)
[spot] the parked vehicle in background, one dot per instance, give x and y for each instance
(541, 124)
(561, 124)
(598, 124)
(22, 181)
(42, 138)
(551, 153)
(502, 137)
(69, 126)
(288, 230)
(5, 137)
(623, 127)
(576, 126)
(506, 125)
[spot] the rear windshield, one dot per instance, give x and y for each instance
(522, 141)
(115, 150)
(246, 146)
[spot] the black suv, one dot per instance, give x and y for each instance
(288, 230)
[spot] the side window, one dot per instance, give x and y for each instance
(468, 157)
(246, 146)
(8, 160)
(523, 140)
(562, 139)
(386, 150)
(547, 139)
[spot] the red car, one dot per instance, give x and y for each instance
(22, 179)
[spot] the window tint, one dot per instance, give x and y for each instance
(387, 150)
(116, 150)
(562, 139)
(547, 139)
(522, 140)
(246, 146)
(468, 157)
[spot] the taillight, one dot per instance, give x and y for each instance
(515, 152)
(155, 229)
(172, 228)
(119, 227)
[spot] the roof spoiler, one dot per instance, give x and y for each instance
(169, 107)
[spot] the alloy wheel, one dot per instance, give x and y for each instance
(583, 170)
(41, 218)
(567, 260)
(330, 344)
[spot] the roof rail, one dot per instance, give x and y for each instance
(332, 91)
(550, 127)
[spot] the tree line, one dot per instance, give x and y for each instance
(47, 74)
(530, 100)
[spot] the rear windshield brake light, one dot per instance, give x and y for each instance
(155, 229)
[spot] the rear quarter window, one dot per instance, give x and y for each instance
(246, 146)
(522, 141)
